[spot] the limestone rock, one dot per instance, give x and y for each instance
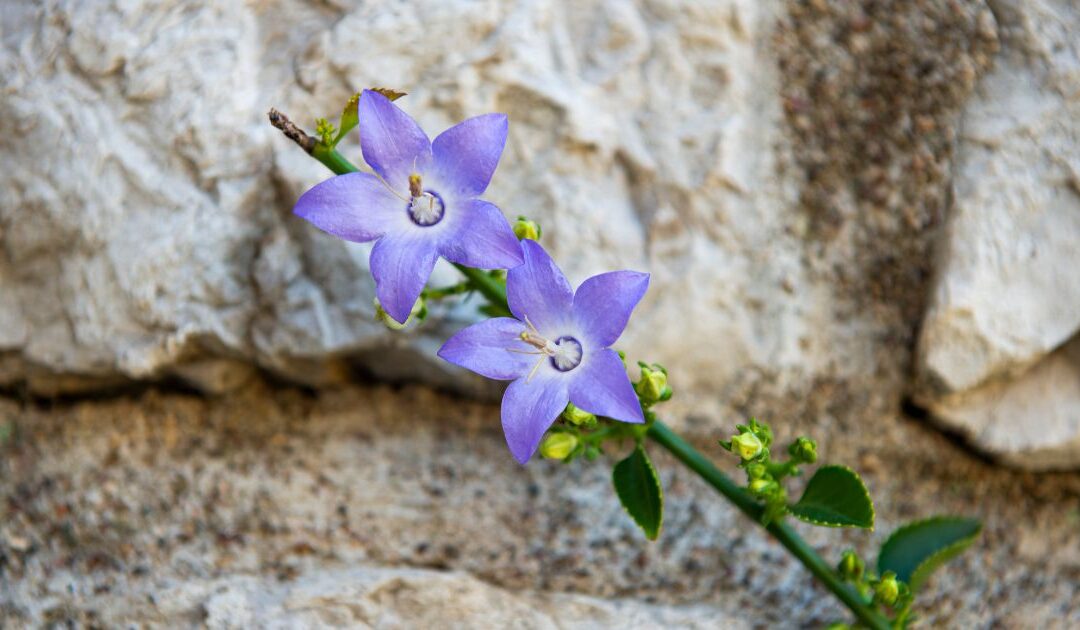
(1008, 292)
(146, 230)
(275, 507)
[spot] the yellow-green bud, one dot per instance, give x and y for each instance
(526, 229)
(747, 445)
(851, 566)
(653, 385)
(419, 311)
(577, 415)
(558, 445)
(803, 450)
(761, 486)
(757, 471)
(887, 589)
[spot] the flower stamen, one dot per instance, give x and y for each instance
(565, 352)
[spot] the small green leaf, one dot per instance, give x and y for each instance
(915, 550)
(835, 497)
(349, 118)
(639, 490)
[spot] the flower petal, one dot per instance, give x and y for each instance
(537, 289)
(601, 386)
(392, 143)
(465, 155)
(401, 263)
(492, 348)
(529, 407)
(355, 206)
(480, 237)
(602, 304)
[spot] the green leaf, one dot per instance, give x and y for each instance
(835, 497)
(350, 118)
(915, 550)
(639, 490)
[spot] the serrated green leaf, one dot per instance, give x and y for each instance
(835, 497)
(915, 550)
(638, 488)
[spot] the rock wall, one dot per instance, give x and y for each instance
(783, 170)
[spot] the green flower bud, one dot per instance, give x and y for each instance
(887, 589)
(757, 471)
(558, 445)
(653, 386)
(578, 416)
(763, 431)
(526, 229)
(419, 313)
(851, 566)
(747, 445)
(803, 450)
(762, 487)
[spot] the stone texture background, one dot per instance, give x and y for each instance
(844, 206)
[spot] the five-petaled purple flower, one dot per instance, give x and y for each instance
(420, 204)
(557, 348)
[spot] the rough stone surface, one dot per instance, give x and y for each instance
(274, 506)
(809, 182)
(753, 156)
(1007, 292)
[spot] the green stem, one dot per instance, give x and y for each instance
(489, 287)
(333, 160)
(495, 292)
(695, 461)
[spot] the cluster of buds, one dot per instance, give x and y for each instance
(885, 591)
(325, 131)
(751, 443)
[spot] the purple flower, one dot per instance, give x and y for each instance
(420, 204)
(557, 348)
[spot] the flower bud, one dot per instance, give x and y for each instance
(652, 387)
(851, 566)
(803, 450)
(887, 589)
(418, 312)
(747, 445)
(526, 229)
(558, 445)
(757, 471)
(762, 487)
(578, 416)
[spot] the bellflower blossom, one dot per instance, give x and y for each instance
(555, 349)
(421, 203)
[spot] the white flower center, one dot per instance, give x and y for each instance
(565, 352)
(426, 209)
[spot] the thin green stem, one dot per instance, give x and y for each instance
(488, 286)
(695, 461)
(333, 160)
(495, 292)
